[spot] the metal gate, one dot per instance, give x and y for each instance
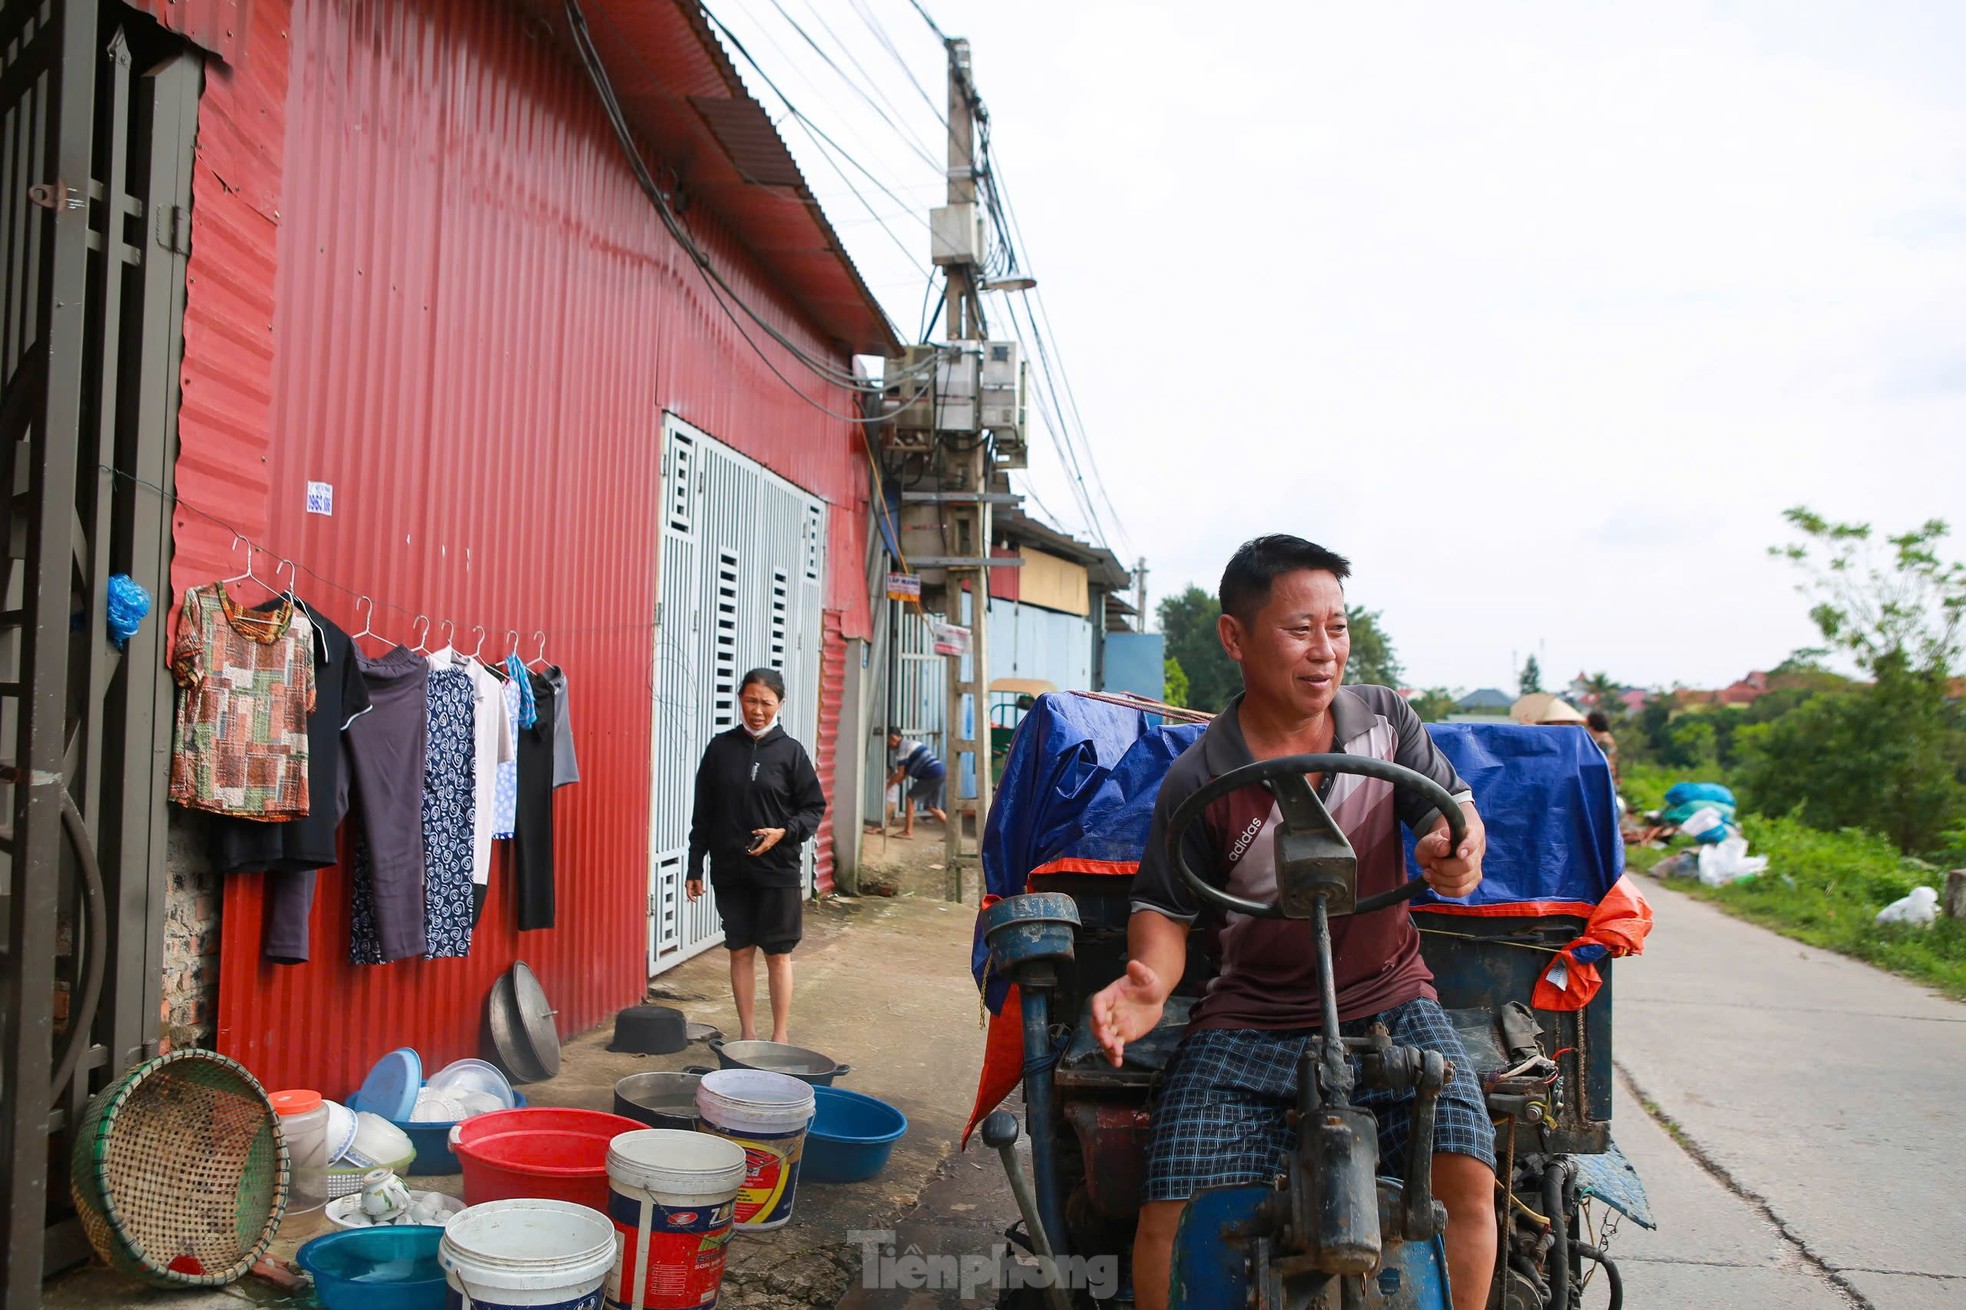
(98, 110)
(741, 577)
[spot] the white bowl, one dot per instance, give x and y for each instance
(434, 1108)
(341, 1211)
(341, 1130)
(473, 1076)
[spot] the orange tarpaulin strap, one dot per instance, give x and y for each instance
(1618, 926)
(1003, 1061)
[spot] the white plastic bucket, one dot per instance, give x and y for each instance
(672, 1196)
(543, 1255)
(767, 1114)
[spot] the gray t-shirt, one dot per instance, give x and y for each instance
(565, 768)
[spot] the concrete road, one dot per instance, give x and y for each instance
(1804, 1113)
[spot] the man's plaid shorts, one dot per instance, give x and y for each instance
(1219, 1120)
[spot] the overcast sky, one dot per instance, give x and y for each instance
(1542, 313)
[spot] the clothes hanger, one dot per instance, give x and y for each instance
(422, 646)
(513, 633)
(539, 659)
(450, 635)
(478, 654)
(368, 621)
(249, 575)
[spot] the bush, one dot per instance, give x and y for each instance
(1825, 888)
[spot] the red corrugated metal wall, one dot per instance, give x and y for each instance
(832, 694)
(478, 325)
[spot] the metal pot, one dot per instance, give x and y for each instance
(660, 1100)
(777, 1057)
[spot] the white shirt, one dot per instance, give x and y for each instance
(493, 744)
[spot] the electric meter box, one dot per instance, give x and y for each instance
(923, 399)
(1003, 385)
(956, 235)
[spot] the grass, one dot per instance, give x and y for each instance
(1824, 888)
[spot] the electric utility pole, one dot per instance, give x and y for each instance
(967, 522)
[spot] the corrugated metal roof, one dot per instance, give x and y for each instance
(478, 325)
(223, 27)
(681, 91)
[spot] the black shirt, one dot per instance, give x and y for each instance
(744, 784)
(340, 696)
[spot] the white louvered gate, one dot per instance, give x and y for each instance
(743, 559)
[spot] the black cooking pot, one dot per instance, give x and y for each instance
(660, 1100)
(650, 1030)
(777, 1057)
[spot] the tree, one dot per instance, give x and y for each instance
(1532, 677)
(1887, 756)
(1187, 620)
(1432, 705)
(1601, 692)
(1905, 608)
(1372, 658)
(1176, 686)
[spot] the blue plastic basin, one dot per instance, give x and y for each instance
(377, 1269)
(433, 1140)
(851, 1136)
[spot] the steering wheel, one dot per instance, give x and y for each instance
(1303, 813)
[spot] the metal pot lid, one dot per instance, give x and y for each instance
(536, 1019)
(507, 1033)
(702, 1032)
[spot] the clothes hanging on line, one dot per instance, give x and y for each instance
(532, 847)
(520, 713)
(449, 811)
(389, 750)
(240, 742)
(492, 748)
(290, 853)
(565, 768)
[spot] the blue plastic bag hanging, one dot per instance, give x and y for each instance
(128, 603)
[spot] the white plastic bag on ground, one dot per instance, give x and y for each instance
(1920, 907)
(1728, 861)
(1701, 820)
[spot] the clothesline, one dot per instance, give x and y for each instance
(324, 580)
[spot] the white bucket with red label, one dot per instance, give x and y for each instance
(766, 1114)
(672, 1196)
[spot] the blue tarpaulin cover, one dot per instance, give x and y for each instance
(1080, 778)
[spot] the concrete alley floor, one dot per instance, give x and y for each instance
(881, 983)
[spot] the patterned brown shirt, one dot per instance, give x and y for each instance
(240, 745)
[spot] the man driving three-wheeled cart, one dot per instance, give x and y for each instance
(1261, 1074)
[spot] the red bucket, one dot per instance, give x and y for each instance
(551, 1154)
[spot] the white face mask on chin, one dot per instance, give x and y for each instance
(758, 733)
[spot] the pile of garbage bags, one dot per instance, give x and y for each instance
(1704, 811)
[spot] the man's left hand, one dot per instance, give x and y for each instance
(1448, 870)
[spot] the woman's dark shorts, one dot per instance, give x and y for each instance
(1220, 1118)
(772, 918)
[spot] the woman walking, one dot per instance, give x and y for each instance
(757, 803)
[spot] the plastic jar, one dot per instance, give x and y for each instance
(304, 1125)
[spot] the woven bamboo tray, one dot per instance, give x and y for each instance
(180, 1172)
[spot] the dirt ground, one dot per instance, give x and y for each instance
(882, 984)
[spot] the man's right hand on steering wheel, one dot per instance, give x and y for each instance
(1452, 872)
